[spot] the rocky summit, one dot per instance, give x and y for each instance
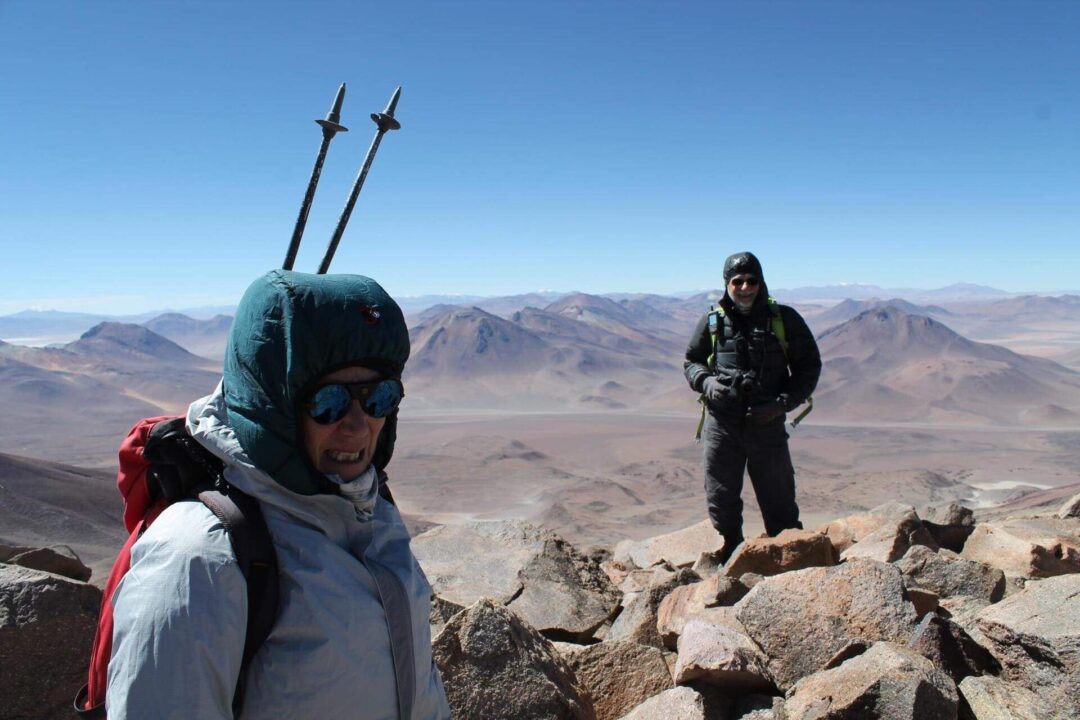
(869, 616)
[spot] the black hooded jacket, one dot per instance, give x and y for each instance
(747, 344)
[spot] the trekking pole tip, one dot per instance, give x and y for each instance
(332, 122)
(385, 120)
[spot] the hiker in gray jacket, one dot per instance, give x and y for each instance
(304, 420)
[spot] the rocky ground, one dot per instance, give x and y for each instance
(890, 613)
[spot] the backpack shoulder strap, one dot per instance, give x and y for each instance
(778, 330)
(242, 518)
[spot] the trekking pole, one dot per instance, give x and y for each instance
(330, 127)
(385, 120)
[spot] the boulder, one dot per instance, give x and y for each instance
(537, 574)
(949, 514)
(47, 625)
(758, 707)
(1028, 547)
(802, 619)
(689, 601)
(950, 525)
(638, 580)
(948, 574)
(620, 675)
(680, 548)
(991, 698)
(790, 550)
(637, 621)
(681, 703)
(945, 644)
(1071, 508)
(9, 551)
(716, 655)
(849, 530)
(887, 682)
(494, 665)
(708, 563)
(55, 559)
(1035, 635)
(892, 539)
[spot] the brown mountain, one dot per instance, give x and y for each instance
(646, 327)
(847, 309)
(887, 365)
(117, 343)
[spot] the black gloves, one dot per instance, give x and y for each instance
(767, 411)
(717, 393)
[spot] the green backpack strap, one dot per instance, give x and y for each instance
(716, 330)
(781, 337)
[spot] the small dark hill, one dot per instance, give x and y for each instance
(121, 342)
(847, 309)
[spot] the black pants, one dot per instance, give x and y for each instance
(732, 445)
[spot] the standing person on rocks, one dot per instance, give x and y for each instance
(304, 422)
(748, 379)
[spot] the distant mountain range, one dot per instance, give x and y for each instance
(885, 361)
(43, 327)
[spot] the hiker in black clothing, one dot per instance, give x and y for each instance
(748, 379)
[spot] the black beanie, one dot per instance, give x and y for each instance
(743, 262)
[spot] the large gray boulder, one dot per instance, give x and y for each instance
(620, 675)
(717, 655)
(493, 665)
(887, 682)
(47, 625)
(790, 550)
(1027, 547)
(55, 559)
(537, 574)
(637, 621)
(1035, 634)
(681, 548)
(949, 575)
(681, 703)
(693, 601)
(991, 698)
(950, 525)
(802, 619)
(892, 539)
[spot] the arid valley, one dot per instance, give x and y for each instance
(570, 410)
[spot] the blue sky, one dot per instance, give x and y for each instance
(154, 154)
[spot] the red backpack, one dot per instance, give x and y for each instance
(161, 464)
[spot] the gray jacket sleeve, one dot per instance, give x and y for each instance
(179, 621)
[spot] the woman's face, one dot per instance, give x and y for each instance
(346, 447)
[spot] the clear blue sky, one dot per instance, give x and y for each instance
(154, 154)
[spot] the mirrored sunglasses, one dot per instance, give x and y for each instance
(749, 281)
(330, 403)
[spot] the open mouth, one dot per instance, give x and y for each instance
(343, 457)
